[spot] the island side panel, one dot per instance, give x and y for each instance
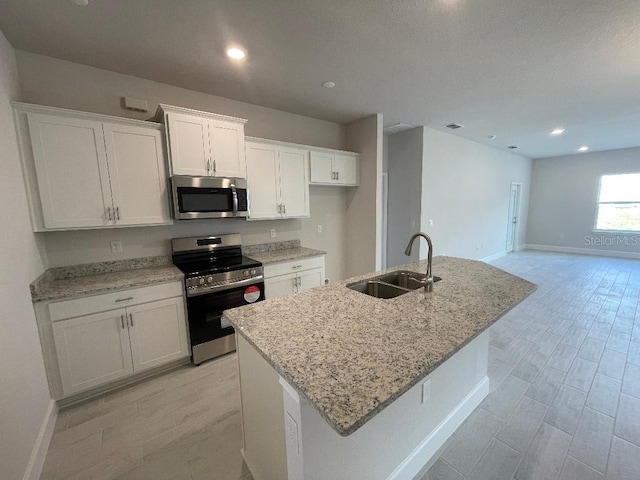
(400, 440)
(263, 426)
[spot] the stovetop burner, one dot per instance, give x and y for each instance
(214, 263)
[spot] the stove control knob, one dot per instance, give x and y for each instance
(245, 273)
(210, 279)
(201, 280)
(253, 271)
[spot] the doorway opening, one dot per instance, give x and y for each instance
(514, 217)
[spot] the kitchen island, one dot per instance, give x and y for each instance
(338, 384)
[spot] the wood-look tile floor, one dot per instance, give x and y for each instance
(564, 402)
(183, 425)
(565, 378)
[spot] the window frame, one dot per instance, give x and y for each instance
(598, 203)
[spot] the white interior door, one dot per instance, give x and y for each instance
(512, 221)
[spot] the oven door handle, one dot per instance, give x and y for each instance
(220, 288)
(234, 194)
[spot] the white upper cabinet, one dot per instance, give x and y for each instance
(138, 175)
(203, 143)
(85, 170)
(277, 180)
(334, 168)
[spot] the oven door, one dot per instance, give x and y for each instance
(206, 326)
(208, 197)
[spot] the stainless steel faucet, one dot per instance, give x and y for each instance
(428, 282)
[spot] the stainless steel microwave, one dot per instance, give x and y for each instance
(209, 197)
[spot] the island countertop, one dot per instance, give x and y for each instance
(351, 354)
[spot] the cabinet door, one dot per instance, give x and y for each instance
(227, 149)
(263, 181)
(71, 168)
(138, 175)
(158, 333)
(294, 182)
(345, 167)
(189, 144)
(321, 167)
(92, 350)
(310, 278)
(280, 285)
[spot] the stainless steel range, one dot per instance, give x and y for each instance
(217, 277)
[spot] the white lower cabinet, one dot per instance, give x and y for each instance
(94, 349)
(293, 277)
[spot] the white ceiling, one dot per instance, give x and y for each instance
(511, 68)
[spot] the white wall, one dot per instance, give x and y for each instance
(24, 393)
(564, 193)
(466, 189)
(405, 194)
(364, 204)
(54, 82)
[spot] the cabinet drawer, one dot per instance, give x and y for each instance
(293, 266)
(109, 301)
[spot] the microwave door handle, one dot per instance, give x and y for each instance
(234, 193)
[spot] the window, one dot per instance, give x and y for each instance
(618, 206)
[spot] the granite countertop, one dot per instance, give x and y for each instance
(277, 252)
(90, 279)
(277, 256)
(351, 355)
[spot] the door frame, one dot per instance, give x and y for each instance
(517, 210)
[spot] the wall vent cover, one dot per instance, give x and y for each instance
(396, 128)
(454, 126)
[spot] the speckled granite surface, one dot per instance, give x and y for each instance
(92, 278)
(351, 355)
(269, 247)
(285, 255)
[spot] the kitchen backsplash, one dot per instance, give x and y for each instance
(270, 247)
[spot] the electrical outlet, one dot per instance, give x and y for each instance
(272, 232)
(319, 228)
(426, 390)
(430, 223)
(116, 246)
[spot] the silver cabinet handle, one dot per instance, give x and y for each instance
(214, 167)
(118, 214)
(208, 166)
(337, 175)
(284, 208)
(131, 319)
(297, 266)
(122, 321)
(124, 299)
(280, 208)
(109, 213)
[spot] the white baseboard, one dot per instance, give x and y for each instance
(39, 452)
(521, 247)
(417, 459)
(584, 251)
(493, 257)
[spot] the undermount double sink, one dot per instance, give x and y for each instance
(391, 285)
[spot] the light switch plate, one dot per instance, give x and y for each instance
(319, 228)
(116, 246)
(272, 232)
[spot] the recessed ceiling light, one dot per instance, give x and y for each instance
(557, 131)
(82, 3)
(454, 126)
(512, 147)
(328, 84)
(491, 137)
(236, 53)
(583, 148)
